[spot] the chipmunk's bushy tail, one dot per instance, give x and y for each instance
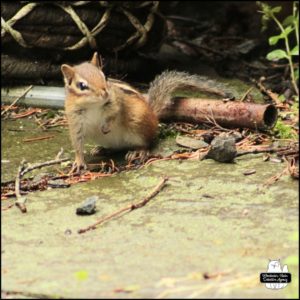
(163, 87)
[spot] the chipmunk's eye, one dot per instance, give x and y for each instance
(82, 86)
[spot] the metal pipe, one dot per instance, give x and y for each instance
(195, 110)
(225, 113)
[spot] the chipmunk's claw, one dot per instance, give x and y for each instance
(96, 151)
(140, 155)
(78, 167)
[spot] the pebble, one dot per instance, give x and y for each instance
(88, 207)
(191, 143)
(222, 149)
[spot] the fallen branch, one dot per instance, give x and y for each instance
(22, 170)
(129, 207)
(43, 164)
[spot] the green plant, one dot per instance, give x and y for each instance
(284, 131)
(287, 27)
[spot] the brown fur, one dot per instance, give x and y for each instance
(114, 114)
(138, 116)
(111, 112)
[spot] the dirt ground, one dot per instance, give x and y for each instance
(209, 233)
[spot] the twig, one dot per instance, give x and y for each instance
(60, 153)
(7, 207)
(272, 95)
(22, 170)
(256, 151)
(43, 164)
(20, 204)
(39, 138)
(129, 207)
(246, 94)
(213, 121)
(26, 113)
(276, 177)
(17, 99)
(31, 295)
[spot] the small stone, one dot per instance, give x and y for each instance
(237, 136)
(249, 172)
(68, 232)
(58, 183)
(222, 149)
(191, 143)
(276, 160)
(88, 207)
(37, 178)
(245, 212)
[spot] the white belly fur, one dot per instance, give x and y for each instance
(119, 136)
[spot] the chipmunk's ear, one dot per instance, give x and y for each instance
(97, 60)
(68, 73)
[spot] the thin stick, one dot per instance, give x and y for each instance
(246, 94)
(272, 95)
(7, 207)
(31, 295)
(276, 177)
(43, 164)
(22, 170)
(17, 99)
(214, 121)
(19, 204)
(39, 138)
(256, 151)
(60, 153)
(129, 207)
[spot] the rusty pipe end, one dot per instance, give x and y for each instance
(270, 116)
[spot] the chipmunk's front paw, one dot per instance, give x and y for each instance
(140, 155)
(78, 166)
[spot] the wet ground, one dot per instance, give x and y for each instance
(209, 221)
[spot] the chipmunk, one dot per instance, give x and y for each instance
(114, 114)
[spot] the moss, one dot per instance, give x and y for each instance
(284, 131)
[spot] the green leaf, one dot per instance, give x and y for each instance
(295, 51)
(276, 9)
(274, 39)
(288, 21)
(266, 9)
(287, 31)
(277, 54)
